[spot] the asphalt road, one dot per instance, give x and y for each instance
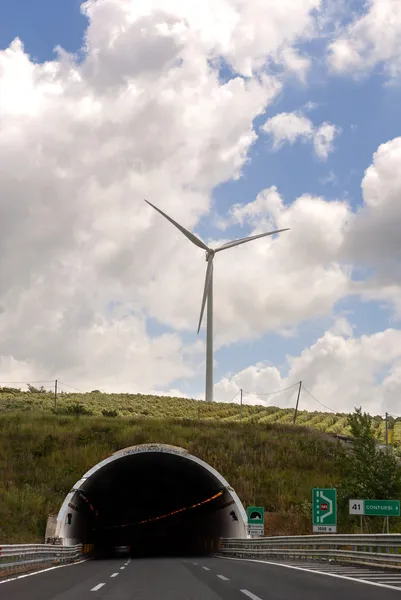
(191, 579)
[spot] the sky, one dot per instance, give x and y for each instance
(235, 117)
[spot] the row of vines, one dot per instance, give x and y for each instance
(97, 403)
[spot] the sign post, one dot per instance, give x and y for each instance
(256, 521)
(324, 510)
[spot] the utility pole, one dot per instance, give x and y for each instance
(296, 406)
(55, 396)
(240, 409)
(198, 414)
(387, 433)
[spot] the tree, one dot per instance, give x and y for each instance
(367, 472)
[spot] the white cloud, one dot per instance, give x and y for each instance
(289, 127)
(83, 260)
(295, 63)
(331, 178)
(340, 370)
(374, 239)
(242, 32)
(323, 139)
(370, 39)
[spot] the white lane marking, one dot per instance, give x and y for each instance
(266, 562)
(223, 578)
(206, 568)
(383, 576)
(96, 588)
(250, 595)
(195, 564)
(42, 571)
(122, 568)
(114, 575)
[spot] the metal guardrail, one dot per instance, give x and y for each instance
(375, 550)
(24, 557)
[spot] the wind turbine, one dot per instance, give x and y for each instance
(208, 289)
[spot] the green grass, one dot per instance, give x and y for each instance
(43, 455)
(265, 458)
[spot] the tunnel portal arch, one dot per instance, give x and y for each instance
(148, 496)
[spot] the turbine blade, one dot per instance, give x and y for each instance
(195, 240)
(248, 239)
(208, 280)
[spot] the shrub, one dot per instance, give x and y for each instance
(110, 413)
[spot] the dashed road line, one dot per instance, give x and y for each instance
(223, 577)
(114, 575)
(122, 568)
(97, 587)
(206, 568)
(250, 595)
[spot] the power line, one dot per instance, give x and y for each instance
(318, 401)
(271, 393)
(26, 382)
(71, 387)
(239, 391)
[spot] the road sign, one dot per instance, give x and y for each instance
(356, 507)
(256, 520)
(324, 510)
(375, 508)
(256, 531)
(256, 515)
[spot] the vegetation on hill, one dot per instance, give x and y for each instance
(43, 455)
(158, 407)
(368, 472)
(268, 460)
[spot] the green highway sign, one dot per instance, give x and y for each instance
(256, 521)
(256, 515)
(375, 508)
(324, 510)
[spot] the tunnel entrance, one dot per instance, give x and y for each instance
(156, 499)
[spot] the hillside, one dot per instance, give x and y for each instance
(43, 455)
(159, 407)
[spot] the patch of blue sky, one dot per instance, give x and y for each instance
(271, 349)
(366, 316)
(367, 111)
(42, 25)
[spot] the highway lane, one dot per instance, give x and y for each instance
(187, 579)
(277, 582)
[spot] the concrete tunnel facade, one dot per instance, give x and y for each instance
(158, 499)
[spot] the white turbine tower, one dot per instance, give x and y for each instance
(208, 289)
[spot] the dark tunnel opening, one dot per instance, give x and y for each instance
(157, 503)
